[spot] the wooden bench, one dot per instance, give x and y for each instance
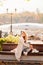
(6, 56)
(8, 47)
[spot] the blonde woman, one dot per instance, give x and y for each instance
(21, 46)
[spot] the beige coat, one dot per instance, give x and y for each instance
(19, 49)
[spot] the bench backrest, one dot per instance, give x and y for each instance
(38, 47)
(8, 47)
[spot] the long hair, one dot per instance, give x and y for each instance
(24, 35)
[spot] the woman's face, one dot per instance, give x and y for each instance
(22, 33)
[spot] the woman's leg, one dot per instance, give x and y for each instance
(26, 50)
(33, 49)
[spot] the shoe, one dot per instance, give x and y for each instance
(25, 53)
(35, 51)
(14, 50)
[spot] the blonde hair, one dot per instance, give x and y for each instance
(24, 35)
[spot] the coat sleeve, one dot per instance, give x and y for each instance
(26, 44)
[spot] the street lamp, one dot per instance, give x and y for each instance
(11, 25)
(15, 10)
(7, 10)
(11, 22)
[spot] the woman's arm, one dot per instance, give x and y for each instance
(21, 41)
(26, 44)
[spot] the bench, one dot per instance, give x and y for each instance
(7, 56)
(8, 47)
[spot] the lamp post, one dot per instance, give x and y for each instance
(11, 25)
(7, 10)
(15, 10)
(11, 22)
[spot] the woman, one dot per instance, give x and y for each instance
(26, 49)
(21, 46)
(30, 48)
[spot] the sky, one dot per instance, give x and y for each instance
(21, 6)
